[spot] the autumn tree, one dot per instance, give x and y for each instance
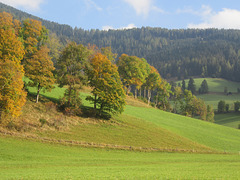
(107, 51)
(108, 93)
(39, 70)
(71, 67)
(34, 36)
(12, 95)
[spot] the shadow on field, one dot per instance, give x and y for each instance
(86, 111)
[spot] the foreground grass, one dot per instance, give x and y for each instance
(209, 134)
(228, 119)
(22, 159)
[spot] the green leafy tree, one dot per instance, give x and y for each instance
(210, 113)
(71, 66)
(221, 106)
(163, 94)
(108, 93)
(132, 70)
(153, 80)
(236, 106)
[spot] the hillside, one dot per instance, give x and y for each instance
(139, 127)
(175, 53)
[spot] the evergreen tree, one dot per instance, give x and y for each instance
(204, 87)
(183, 85)
(192, 86)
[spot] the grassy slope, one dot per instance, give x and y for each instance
(209, 134)
(228, 119)
(22, 159)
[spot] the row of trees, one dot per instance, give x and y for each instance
(26, 50)
(224, 107)
(187, 104)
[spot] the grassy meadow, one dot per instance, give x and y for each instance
(215, 84)
(228, 119)
(24, 159)
(88, 148)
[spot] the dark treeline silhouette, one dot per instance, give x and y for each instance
(174, 53)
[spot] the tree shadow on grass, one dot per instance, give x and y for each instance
(86, 111)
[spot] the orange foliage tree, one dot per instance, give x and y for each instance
(12, 95)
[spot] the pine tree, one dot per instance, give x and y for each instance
(183, 85)
(204, 87)
(191, 86)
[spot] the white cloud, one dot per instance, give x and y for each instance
(106, 28)
(130, 26)
(143, 7)
(90, 4)
(32, 5)
(226, 18)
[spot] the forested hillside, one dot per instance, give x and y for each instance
(175, 53)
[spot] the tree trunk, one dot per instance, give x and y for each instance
(69, 95)
(140, 92)
(149, 96)
(144, 93)
(128, 89)
(135, 94)
(156, 102)
(38, 91)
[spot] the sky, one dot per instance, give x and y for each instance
(124, 14)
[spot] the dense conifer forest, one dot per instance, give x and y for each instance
(175, 53)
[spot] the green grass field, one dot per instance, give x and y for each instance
(24, 159)
(138, 126)
(228, 119)
(208, 134)
(216, 84)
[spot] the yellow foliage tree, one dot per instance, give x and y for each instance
(12, 95)
(39, 70)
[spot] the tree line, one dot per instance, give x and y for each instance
(27, 49)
